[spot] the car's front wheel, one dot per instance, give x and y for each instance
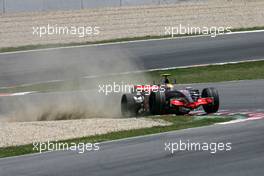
(214, 106)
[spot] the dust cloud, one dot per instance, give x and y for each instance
(86, 101)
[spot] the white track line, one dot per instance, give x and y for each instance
(244, 32)
(142, 71)
(171, 68)
(240, 120)
(124, 42)
(15, 94)
(189, 66)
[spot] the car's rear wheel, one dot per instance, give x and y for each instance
(157, 102)
(214, 106)
(128, 105)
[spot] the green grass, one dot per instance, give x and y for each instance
(179, 122)
(218, 73)
(56, 45)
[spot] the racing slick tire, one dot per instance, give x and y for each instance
(128, 105)
(213, 107)
(157, 102)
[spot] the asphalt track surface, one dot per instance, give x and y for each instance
(234, 96)
(147, 156)
(69, 63)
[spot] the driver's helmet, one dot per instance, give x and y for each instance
(169, 86)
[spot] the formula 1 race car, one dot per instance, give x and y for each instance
(167, 99)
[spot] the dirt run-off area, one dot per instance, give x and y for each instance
(20, 133)
(128, 22)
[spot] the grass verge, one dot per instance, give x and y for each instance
(177, 123)
(57, 45)
(217, 73)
